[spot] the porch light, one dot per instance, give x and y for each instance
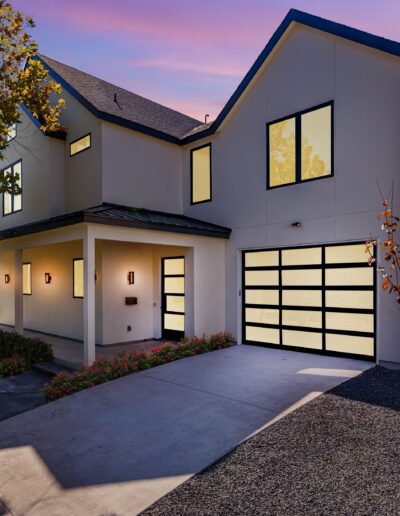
(131, 277)
(47, 278)
(6, 278)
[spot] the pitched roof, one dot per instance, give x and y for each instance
(110, 102)
(115, 215)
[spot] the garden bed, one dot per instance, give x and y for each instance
(104, 369)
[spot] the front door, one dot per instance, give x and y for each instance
(173, 297)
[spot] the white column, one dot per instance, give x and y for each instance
(89, 319)
(18, 296)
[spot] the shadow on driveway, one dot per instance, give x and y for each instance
(20, 393)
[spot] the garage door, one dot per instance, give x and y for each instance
(316, 298)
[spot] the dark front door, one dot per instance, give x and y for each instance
(173, 297)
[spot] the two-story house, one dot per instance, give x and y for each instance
(141, 222)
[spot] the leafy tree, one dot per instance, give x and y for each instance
(23, 80)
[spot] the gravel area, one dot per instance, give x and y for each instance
(338, 454)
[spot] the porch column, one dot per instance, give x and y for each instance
(18, 295)
(89, 322)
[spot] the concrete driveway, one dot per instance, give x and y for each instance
(118, 447)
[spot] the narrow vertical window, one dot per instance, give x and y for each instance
(78, 288)
(282, 152)
(201, 174)
(27, 279)
(11, 202)
(316, 143)
(12, 132)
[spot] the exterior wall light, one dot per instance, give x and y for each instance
(6, 278)
(296, 225)
(131, 277)
(47, 278)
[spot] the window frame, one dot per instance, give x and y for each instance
(12, 165)
(297, 117)
(27, 293)
(192, 202)
(9, 139)
(77, 140)
(73, 279)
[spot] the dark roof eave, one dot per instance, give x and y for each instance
(59, 135)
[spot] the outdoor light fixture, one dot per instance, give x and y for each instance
(6, 278)
(131, 277)
(296, 224)
(47, 277)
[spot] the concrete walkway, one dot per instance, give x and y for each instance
(118, 447)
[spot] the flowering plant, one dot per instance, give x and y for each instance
(12, 366)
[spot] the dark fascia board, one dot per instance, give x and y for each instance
(60, 135)
(310, 20)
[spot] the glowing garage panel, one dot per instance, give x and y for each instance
(308, 256)
(201, 174)
(282, 152)
(174, 285)
(262, 297)
(363, 299)
(174, 266)
(346, 254)
(302, 277)
(262, 315)
(262, 259)
(302, 339)
(350, 276)
(174, 322)
(302, 297)
(302, 318)
(349, 322)
(350, 344)
(267, 335)
(261, 278)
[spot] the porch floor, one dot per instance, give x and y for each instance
(70, 352)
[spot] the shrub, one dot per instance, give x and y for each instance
(12, 366)
(104, 370)
(31, 349)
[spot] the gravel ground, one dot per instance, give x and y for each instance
(338, 454)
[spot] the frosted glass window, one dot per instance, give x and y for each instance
(12, 132)
(302, 297)
(350, 344)
(262, 277)
(262, 297)
(302, 277)
(282, 152)
(174, 322)
(7, 203)
(262, 315)
(307, 256)
(78, 278)
(175, 304)
(174, 266)
(27, 278)
(346, 253)
(174, 285)
(302, 339)
(349, 322)
(349, 276)
(266, 335)
(11, 202)
(201, 174)
(363, 299)
(80, 145)
(316, 141)
(262, 259)
(307, 318)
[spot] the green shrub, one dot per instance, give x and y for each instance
(31, 349)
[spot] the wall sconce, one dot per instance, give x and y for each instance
(6, 278)
(131, 277)
(296, 225)
(47, 278)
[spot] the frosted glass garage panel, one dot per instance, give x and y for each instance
(346, 253)
(302, 297)
(349, 321)
(352, 276)
(254, 278)
(307, 318)
(175, 303)
(361, 299)
(262, 259)
(302, 339)
(174, 285)
(316, 143)
(174, 322)
(266, 335)
(262, 315)
(262, 297)
(302, 277)
(350, 344)
(174, 266)
(282, 152)
(308, 256)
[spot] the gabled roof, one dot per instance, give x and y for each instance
(115, 215)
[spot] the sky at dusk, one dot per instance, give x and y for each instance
(186, 54)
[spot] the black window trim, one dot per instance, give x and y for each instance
(297, 116)
(73, 279)
(209, 144)
(77, 140)
(26, 293)
(12, 165)
(16, 133)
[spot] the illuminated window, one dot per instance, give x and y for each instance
(27, 279)
(300, 147)
(78, 277)
(80, 145)
(12, 132)
(11, 202)
(201, 174)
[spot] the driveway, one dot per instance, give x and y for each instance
(118, 447)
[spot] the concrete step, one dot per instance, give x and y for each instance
(50, 368)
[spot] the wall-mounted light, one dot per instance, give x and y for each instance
(131, 277)
(296, 225)
(6, 278)
(47, 278)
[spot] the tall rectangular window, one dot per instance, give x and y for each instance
(80, 145)
(300, 147)
(12, 132)
(78, 287)
(13, 203)
(27, 279)
(201, 174)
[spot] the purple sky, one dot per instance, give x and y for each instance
(187, 54)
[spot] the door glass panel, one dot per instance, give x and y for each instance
(302, 339)
(262, 315)
(302, 277)
(363, 299)
(302, 318)
(266, 335)
(262, 297)
(175, 304)
(174, 285)
(308, 256)
(350, 344)
(316, 146)
(346, 253)
(350, 276)
(302, 297)
(174, 266)
(351, 322)
(262, 259)
(174, 322)
(282, 152)
(262, 277)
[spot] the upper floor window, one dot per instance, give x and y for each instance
(300, 147)
(80, 145)
(11, 202)
(12, 132)
(201, 174)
